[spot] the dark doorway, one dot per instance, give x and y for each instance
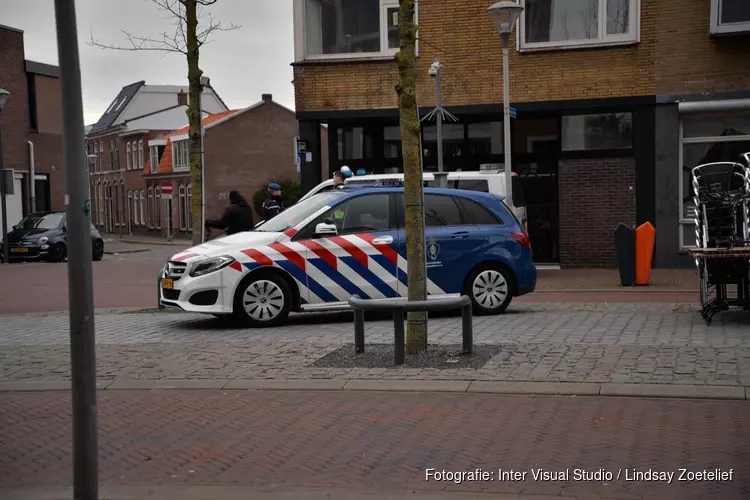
(42, 193)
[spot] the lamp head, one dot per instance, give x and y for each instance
(4, 94)
(505, 14)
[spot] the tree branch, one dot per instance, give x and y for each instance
(166, 44)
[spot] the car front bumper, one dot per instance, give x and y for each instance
(209, 294)
(26, 252)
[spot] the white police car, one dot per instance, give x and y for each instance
(318, 253)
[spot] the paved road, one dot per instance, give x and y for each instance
(383, 441)
(620, 343)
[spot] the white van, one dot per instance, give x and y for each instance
(487, 181)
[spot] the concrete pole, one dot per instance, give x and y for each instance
(3, 204)
(203, 172)
(80, 283)
(438, 101)
(505, 37)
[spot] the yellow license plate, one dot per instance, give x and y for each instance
(20, 250)
(167, 284)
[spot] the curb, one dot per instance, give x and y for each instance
(614, 290)
(680, 391)
(160, 243)
(134, 250)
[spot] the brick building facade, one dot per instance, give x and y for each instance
(31, 127)
(616, 100)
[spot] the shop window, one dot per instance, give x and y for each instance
(486, 139)
(597, 132)
(354, 143)
(392, 142)
(349, 28)
(453, 141)
(560, 24)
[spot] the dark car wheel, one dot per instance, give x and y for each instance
(57, 253)
(263, 300)
(490, 289)
(98, 251)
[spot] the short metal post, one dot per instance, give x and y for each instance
(398, 330)
(467, 328)
(359, 331)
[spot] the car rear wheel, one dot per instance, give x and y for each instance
(98, 251)
(263, 300)
(490, 290)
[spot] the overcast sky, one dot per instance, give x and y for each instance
(242, 64)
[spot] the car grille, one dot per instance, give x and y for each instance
(175, 270)
(171, 294)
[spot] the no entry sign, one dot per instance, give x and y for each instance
(166, 189)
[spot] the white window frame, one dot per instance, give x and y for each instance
(300, 36)
(140, 154)
(150, 207)
(180, 156)
(157, 207)
(143, 214)
(136, 218)
(603, 40)
(128, 164)
(182, 207)
(189, 202)
(695, 140)
(725, 29)
(154, 153)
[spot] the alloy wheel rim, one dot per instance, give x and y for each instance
(263, 300)
(490, 289)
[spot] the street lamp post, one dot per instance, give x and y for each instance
(505, 14)
(205, 82)
(4, 94)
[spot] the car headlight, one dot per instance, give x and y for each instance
(208, 266)
(43, 240)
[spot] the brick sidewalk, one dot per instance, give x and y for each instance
(381, 441)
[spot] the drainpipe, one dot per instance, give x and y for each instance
(32, 174)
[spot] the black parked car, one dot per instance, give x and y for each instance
(44, 236)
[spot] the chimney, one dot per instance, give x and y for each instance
(182, 99)
(267, 98)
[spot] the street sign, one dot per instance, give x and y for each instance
(512, 111)
(301, 151)
(166, 190)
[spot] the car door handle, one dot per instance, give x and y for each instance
(460, 235)
(383, 240)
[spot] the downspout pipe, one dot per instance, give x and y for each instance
(32, 175)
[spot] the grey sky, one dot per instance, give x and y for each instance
(242, 64)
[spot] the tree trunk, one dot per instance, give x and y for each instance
(195, 116)
(416, 337)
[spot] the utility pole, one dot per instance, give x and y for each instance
(80, 283)
(440, 114)
(4, 95)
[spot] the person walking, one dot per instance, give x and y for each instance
(273, 205)
(238, 216)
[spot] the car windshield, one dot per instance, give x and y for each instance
(297, 213)
(49, 221)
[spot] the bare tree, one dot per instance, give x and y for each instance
(187, 37)
(409, 120)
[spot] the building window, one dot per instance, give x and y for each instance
(189, 207)
(154, 158)
(485, 139)
(453, 142)
(706, 139)
(350, 28)
(101, 156)
(100, 204)
(597, 132)
(151, 207)
(123, 206)
(182, 208)
(135, 213)
(562, 24)
(140, 154)
(392, 142)
(354, 143)
(131, 209)
(730, 16)
(180, 156)
(128, 164)
(157, 207)
(142, 203)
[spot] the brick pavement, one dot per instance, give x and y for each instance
(381, 441)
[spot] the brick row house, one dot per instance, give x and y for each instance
(31, 125)
(616, 101)
(243, 150)
(117, 147)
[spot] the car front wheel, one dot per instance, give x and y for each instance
(263, 300)
(490, 290)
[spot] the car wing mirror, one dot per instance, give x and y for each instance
(326, 228)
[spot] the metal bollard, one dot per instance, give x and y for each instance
(400, 341)
(359, 331)
(467, 329)
(158, 289)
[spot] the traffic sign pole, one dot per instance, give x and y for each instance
(166, 193)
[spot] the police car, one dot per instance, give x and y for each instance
(318, 253)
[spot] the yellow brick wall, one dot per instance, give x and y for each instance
(675, 55)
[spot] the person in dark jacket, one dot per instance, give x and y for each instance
(338, 179)
(273, 205)
(238, 216)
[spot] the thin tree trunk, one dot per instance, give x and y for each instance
(416, 337)
(195, 116)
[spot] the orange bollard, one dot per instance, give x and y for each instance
(645, 235)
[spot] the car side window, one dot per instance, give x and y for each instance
(478, 214)
(368, 213)
(441, 210)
